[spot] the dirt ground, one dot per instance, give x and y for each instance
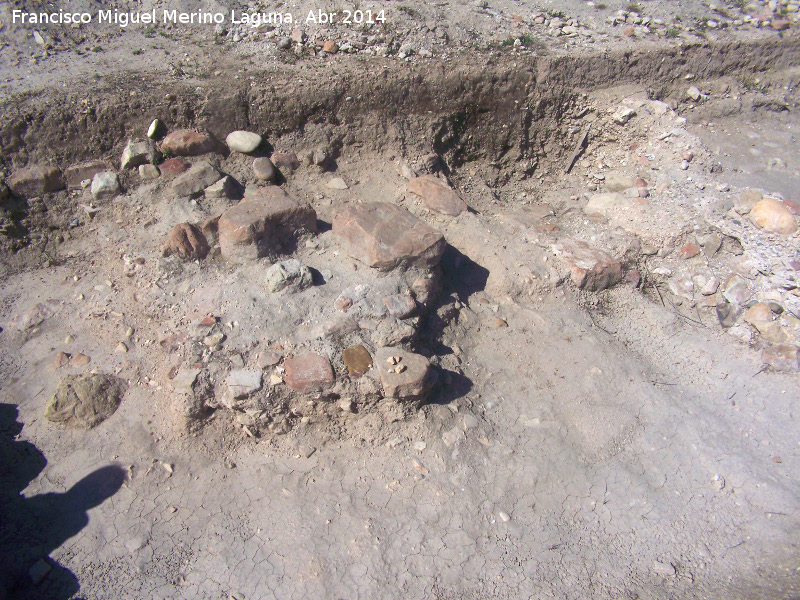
(618, 442)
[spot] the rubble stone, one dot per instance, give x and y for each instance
(308, 372)
(437, 196)
(185, 142)
(196, 179)
(86, 400)
(385, 236)
(591, 269)
(35, 180)
(266, 220)
(137, 152)
(187, 241)
(404, 375)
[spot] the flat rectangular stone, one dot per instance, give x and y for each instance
(386, 237)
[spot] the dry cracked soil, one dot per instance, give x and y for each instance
(489, 299)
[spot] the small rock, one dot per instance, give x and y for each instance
(337, 183)
(289, 274)
(747, 200)
(35, 180)
(689, 250)
(727, 313)
(590, 268)
(149, 172)
(62, 360)
(357, 360)
(623, 114)
(710, 288)
(121, 348)
(268, 358)
(185, 142)
(224, 189)
(694, 93)
(330, 47)
(498, 322)
(771, 215)
(263, 169)
(187, 241)
(736, 290)
(392, 331)
(308, 372)
(284, 43)
(412, 383)
(617, 181)
(79, 360)
(780, 24)
(76, 174)
(196, 179)
(137, 152)
(712, 245)
(105, 185)
(401, 306)
(155, 129)
(39, 571)
(242, 382)
(436, 195)
(243, 141)
(758, 312)
(285, 161)
(85, 400)
(782, 357)
(298, 36)
(663, 569)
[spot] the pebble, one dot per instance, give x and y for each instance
(79, 360)
(137, 152)
(243, 141)
(337, 183)
(155, 129)
(149, 172)
(263, 169)
(121, 348)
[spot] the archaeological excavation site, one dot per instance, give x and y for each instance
(470, 299)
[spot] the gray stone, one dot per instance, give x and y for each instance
(242, 383)
(85, 400)
(243, 141)
(392, 331)
(263, 169)
(196, 179)
(224, 189)
(105, 185)
(289, 274)
(137, 152)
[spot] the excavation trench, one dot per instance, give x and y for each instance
(503, 110)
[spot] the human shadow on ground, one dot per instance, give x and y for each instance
(31, 528)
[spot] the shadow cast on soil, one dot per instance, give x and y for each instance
(31, 528)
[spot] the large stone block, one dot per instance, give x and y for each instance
(386, 237)
(265, 222)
